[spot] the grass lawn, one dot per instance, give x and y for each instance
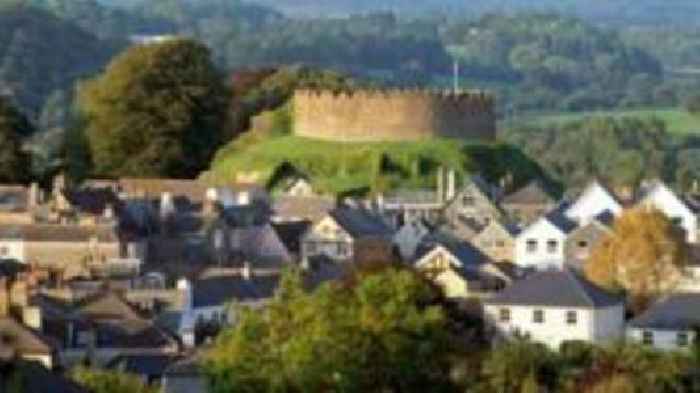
(678, 121)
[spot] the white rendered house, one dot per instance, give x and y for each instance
(594, 201)
(541, 245)
(659, 196)
(670, 324)
(555, 307)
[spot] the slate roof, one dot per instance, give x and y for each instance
(13, 198)
(469, 256)
(531, 194)
(35, 378)
(22, 339)
(302, 208)
(359, 223)
(58, 233)
(560, 221)
(555, 289)
(675, 312)
(219, 290)
(146, 365)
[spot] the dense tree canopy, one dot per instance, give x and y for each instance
(375, 333)
(643, 255)
(13, 128)
(156, 111)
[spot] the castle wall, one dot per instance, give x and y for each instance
(392, 115)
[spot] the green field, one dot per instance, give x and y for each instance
(339, 168)
(678, 121)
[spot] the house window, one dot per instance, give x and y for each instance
(504, 315)
(583, 244)
(647, 337)
(682, 339)
(538, 316)
(532, 246)
(552, 246)
(571, 318)
(486, 244)
(4, 251)
(500, 243)
(468, 200)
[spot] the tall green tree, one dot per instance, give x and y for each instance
(376, 332)
(14, 126)
(99, 381)
(156, 111)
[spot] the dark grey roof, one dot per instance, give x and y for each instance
(469, 256)
(145, 365)
(215, 291)
(675, 312)
(359, 223)
(561, 221)
(555, 289)
(190, 365)
(35, 378)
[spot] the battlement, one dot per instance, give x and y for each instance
(393, 114)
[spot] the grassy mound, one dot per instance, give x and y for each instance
(340, 168)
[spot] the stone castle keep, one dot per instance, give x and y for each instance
(393, 115)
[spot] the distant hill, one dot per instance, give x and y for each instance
(618, 11)
(41, 53)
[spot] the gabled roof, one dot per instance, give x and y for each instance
(651, 187)
(531, 194)
(555, 289)
(22, 339)
(359, 223)
(290, 233)
(557, 220)
(35, 378)
(107, 305)
(675, 312)
(13, 198)
(58, 233)
(219, 290)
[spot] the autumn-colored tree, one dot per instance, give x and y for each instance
(643, 255)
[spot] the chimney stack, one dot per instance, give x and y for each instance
(33, 196)
(247, 271)
(32, 318)
(441, 185)
(4, 298)
(451, 185)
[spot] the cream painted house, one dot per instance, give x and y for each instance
(348, 234)
(555, 307)
(460, 271)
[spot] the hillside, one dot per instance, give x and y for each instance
(341, 168)
(40, 54)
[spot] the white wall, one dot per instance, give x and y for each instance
(593, 325)
(592, 202)
(666, 201)
(542, 232)
(12, 249)
(663, 339)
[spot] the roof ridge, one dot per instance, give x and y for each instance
(578, 285)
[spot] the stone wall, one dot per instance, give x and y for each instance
(392, 115)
